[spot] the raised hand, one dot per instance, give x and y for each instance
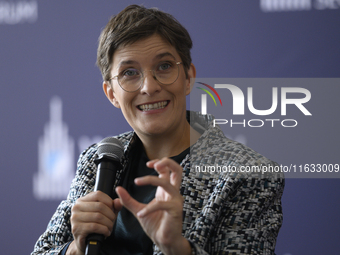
(161, 219)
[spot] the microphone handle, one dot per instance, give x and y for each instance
(93, 244)
(106, 175)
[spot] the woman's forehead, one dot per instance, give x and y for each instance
(152, 48)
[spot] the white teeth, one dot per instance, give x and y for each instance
(148, 107)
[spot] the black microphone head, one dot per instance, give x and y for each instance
(110, 148)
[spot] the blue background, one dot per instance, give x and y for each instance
(56, 53)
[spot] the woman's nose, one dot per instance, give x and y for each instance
(150, 84)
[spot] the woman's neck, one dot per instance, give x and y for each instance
(157, 147)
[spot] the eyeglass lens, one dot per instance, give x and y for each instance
(165, 73)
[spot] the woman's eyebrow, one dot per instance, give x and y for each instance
(165, 54)
(127, 62)
(159, 56)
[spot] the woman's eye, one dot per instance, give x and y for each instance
(164, 66)
(130, 72)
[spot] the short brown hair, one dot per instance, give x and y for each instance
(137, 22)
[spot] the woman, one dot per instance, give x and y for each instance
(164, 206)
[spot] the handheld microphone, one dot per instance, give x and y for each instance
(110, 152)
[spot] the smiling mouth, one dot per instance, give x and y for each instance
(155, 106)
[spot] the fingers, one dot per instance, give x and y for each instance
(93, 213)
(151, 163)
(98, 196)
(95, 202)
(155, 205)
(117, 205)
(141, 210)
(169, 179)
(161, 180)
(127, 201)
(95, 218)
(168, 167)
(90, 227)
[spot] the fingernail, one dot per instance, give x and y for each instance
(152, 161)
(141, 213)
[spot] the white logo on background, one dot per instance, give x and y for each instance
(298, 5)
(238, 100)
(13, 13)
(55, 157)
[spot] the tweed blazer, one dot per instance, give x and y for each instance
(229, 207)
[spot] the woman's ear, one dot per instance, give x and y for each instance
(110, 94)
(191, 78)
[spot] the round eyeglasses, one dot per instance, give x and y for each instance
(131, 79)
